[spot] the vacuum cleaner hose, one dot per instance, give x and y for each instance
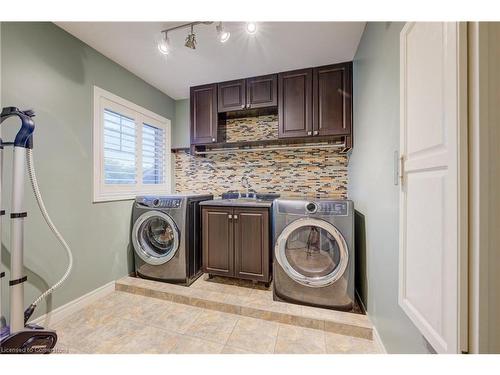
(41, 205)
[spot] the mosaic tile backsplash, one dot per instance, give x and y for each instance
(250, 129)
(318, 172)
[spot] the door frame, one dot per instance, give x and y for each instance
(462, 184)
(484, 272)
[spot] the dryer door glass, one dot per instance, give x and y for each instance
(312, 252)
(155, 237)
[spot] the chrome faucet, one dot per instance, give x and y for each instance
(246, 184)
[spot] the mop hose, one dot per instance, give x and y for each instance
(34, 184)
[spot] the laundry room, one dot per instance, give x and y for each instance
(296, 186)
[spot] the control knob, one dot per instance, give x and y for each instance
(311, 207)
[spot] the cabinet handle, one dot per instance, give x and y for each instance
(235, 217)
(230, 217)
(309, 132)
(213, 139)
(249, 106)
(243, 106)
(316, 132)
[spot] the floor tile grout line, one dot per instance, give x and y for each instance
(246, 349)
(324, 339)
(232, 330)
(277, 336)
(207, 339)
(179, 333)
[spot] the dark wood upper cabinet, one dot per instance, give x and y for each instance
(262, 91)
(250, 93)
(332, 100)
(310, 103)
(295, 103)
(251, 244)
(232, 96)
(217, 241)
(203, 101)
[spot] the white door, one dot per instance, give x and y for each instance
(433, 241)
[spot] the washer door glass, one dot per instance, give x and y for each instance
(312, 252)
(155, 237)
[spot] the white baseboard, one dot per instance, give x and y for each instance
(378, 341)
(55, 316)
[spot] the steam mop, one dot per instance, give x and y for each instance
(20, 336)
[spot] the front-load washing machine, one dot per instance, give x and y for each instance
(314, 252)
(166, 237)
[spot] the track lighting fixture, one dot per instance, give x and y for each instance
(164, 44)
(222, 34)
(251, 28)
(191, 39)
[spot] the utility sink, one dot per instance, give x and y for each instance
(249, 196)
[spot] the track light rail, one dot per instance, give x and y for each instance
(185, 25)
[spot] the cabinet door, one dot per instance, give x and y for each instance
(232, 96)
(332, 99)
(295, 103)
(217, 234)
(251, 243)
(262, 91)
(203, 114)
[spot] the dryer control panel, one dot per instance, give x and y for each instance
(333, 208)
(318, 207)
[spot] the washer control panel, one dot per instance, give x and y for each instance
(333, 208)
(159, 202)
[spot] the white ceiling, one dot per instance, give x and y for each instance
(277, 46)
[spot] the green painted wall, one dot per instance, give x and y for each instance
(180, 130)
(47, 69)
(371, 184)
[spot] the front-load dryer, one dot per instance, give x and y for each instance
(165, 237)
(314, 252)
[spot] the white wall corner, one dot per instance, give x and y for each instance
(378, 341)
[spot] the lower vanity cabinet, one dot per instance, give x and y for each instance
(217, 240)
(236, 242)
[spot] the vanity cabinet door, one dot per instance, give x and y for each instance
(217, 243)
(203, 101)
(231, 96)
(251, 243)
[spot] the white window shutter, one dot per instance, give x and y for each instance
(119, 149)
(153, 154)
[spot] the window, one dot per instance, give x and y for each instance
(131, 149)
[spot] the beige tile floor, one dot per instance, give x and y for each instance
(127, 323)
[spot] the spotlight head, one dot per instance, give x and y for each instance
(223, 34)
(251, 28)
(191, 41)
(164, 44)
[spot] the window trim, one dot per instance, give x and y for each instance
(107, 193)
